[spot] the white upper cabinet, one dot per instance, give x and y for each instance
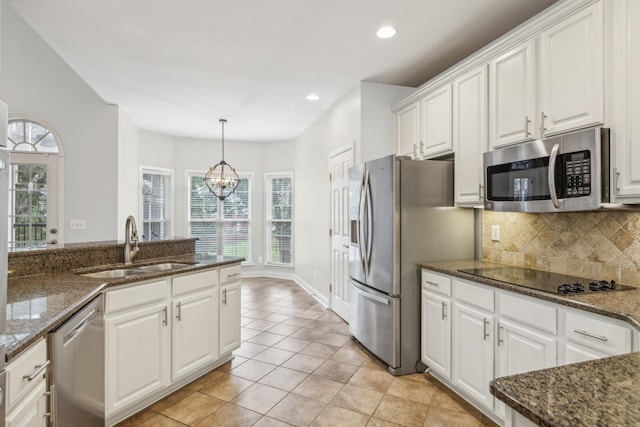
(435, 123)
(407, 130)
(512, 99)
(470, 135)
(571, 74)
(623, 31)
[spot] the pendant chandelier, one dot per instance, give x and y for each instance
(222, 180)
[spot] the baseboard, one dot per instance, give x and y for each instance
(312, 291)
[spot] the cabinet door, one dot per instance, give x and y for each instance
(407, 130)
(436, 333)
(30, 412)
(575, 353)
(624, 69)
(473, 352)
(512, 99)
(229, 317)
(435, 123)
(195, 331)
(470, 135)
(572, 81)
(522, 349)
(138, 351)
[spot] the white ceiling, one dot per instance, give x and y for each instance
(175, 67)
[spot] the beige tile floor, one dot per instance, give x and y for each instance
(298, 366)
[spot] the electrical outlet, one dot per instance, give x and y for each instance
(495, 233)
(77, 224)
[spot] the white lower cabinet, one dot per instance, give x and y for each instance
(229, 317)
(473, 352)
(436, 332)
(30, 412)
(163, 333)
(138, 343)
(495, 333)
(25, 394)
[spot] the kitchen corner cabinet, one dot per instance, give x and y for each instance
(229, 309)
(435, 123)
(407, 130)
(623, 29)
(470, 135)
(571, 70)
(138, 343)
(436, 323)
(194, 322)
(512, 96)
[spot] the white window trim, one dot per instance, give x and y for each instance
(201, 173)
(267, 177)
(169, 209)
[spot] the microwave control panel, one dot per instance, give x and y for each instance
(577, 174)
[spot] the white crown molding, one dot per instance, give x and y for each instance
(525, 31)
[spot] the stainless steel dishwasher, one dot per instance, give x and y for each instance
(76, 380)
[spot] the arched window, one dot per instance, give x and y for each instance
(33, 185)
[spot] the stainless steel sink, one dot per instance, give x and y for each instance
(161, 267)
(134, 271)
(114, 274)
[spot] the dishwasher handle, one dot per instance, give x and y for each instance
(80, 326)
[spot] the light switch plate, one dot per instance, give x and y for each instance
(77, 224)
(495, 233)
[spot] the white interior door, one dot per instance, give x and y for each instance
(340, 162)
(33, 200)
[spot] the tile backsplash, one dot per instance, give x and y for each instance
(595, 245)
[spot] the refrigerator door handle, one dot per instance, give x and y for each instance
(361, 205)
(371, 296)
(369, 221)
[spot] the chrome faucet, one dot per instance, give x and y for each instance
(131, 235)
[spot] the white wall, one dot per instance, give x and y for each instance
(362, 118)
(128, 177)
(35, 82)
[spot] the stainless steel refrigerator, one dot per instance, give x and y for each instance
(401, 213)
(4, 229)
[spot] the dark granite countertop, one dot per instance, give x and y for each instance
(622, 305)
(38, 304)
(603, 392)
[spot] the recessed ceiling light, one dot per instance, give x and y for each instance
(386, 32)
(313, 97)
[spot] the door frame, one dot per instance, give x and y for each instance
(338, 151)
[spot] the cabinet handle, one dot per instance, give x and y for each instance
(542, 128)
(616, 176)
(39, 369)
(179, 310)
(484, 326)
(237, 274)
(52, 406)
(500, 340)
(480, 191)
(224, 296)
(415, 151)
(444, 310)
(421, 151)
(431, 283)
(587, 334)
(165, 320)
(526, 126)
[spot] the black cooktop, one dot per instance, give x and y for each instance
(545, 281)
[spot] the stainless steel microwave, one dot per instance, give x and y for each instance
(562, 174)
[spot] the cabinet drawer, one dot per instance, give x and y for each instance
(529, 313)
(230, 274)
(434, 282)
(195, 281)
(475, 295)
(26, 364)
(598, 333)
(120, 299)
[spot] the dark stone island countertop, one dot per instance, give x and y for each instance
(603, 392)
(39, 303)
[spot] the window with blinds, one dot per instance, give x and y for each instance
(222, 228)
(155, 204)
(279, 219)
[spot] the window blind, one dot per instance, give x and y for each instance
(279, 220)
(155, 205)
